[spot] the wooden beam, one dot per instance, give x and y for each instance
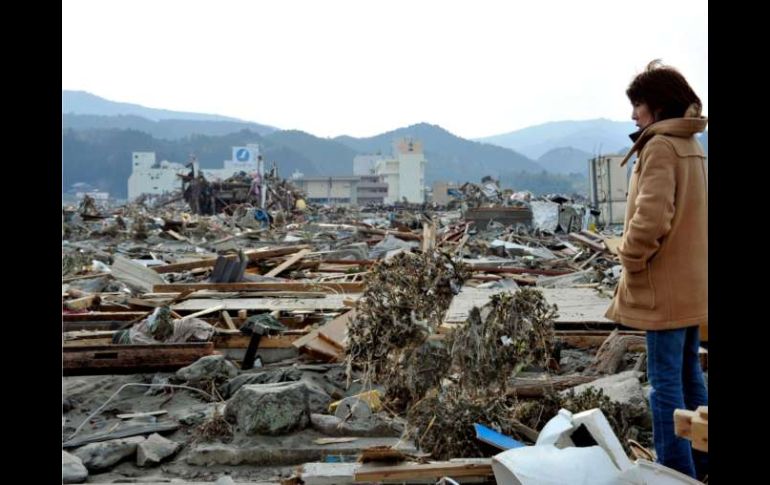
(240, 341)
(272, 286)
(116, 359)
(532, 387)
(206, 311)
(593, 244)
(177, 236)
(586, 339)
(498, 268)
(402, 473)
(84, 277)
(101, 316)
(330, 302)
(428, 236)
(406, 236)
(142, 415)
(288, 263)
(252, 255)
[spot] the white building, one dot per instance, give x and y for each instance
(366, 164)
(608, 187)
(149, 177)
(404, 172)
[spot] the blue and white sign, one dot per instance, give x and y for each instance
(242, 154)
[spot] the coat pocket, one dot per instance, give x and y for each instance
(638, 288)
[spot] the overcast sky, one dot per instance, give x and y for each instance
(358, 67)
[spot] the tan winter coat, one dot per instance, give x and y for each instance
(664, 252)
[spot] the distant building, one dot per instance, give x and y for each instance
(444, 192)
(149, 177)
(343, 190)
(334, 190)
(608, 187)
(371, 190)
(404, 171)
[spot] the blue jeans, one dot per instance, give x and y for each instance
(674, 371)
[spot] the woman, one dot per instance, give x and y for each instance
(664, 285)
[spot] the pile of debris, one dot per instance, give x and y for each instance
(398, 331)
(404, 303)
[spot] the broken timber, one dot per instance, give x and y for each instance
(357, 287)
(115, 359)
(405, 473)
(330, 302)
(252, 255)
(328, 341)
(294, 258)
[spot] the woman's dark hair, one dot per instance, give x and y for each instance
(664, 90)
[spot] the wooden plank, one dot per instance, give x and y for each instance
(252, 255)
(142, 415)
(578, 305)
(331, 302)
(299, 343)
(176, 235)
(463, 302)
(324, 350)
(596, 246)
(613, 243)
(532, 387)
(87, 334)
(240, 341)
(428, 236)
(354, 262)
(288, 263)
(406, 236)
(101, 316)
(132, 358)
(206, 311)
(91, 326)
(326, 287)
(403, 473)
(586, 339)
(86, 342)
(336, 331)
(491, 267)
(228, 321)
(381, 454)
(84, 277)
